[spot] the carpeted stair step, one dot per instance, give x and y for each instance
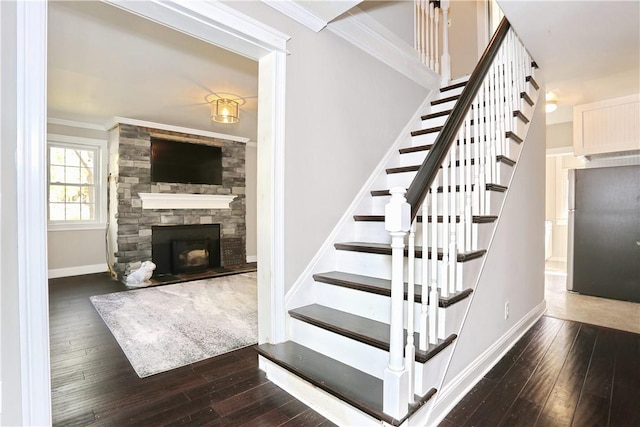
(489, 187)
(350, 385)
(379, 286)
(385, 249)
(362, 329)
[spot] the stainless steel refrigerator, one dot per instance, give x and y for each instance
(603, 254)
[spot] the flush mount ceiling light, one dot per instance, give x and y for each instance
(225, 107)
(551, 103)
(225, 110)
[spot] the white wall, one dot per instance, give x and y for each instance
(10, 362)
(463, 37)
(343, 110)
(513, 272)
(397, 16)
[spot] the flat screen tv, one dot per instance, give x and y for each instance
(185, 163)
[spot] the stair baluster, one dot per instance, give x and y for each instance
(424, 299)
(410, 350)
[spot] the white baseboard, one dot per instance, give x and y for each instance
(252, 258)
(452, 392)
(54, 273)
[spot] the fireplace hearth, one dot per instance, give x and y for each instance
(180, 249)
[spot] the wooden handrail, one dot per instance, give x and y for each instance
(429, 169)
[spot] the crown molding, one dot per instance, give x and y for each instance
(298, 13)
(142, 123)
(369, 35)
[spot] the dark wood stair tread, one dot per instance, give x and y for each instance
(358, 389)
(385, 249)
(379, 286)
(370, 332)
(527, 98)
(426, 131)
(402, 169)
(427, 147)
(533, 82)
(436, 115)
(476, 219)
(447, 99)
(453, 86)
(489, 187)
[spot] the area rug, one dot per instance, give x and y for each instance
(165, 327)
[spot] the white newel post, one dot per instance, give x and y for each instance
(446, 58)
(396, 378)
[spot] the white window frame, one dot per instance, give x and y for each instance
(100, 221)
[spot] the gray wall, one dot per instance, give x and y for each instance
(343, 111)
(397, 16)
(76, 250)
(514, 266)
(10, 374)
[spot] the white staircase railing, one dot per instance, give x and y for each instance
(427, 28)
(461, 162)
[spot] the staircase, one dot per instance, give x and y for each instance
(372, 330)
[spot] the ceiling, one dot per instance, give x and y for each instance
(104, 62)
(587, 51)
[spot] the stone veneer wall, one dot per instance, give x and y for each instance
(133, 224)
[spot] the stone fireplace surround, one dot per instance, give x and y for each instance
(131, 215)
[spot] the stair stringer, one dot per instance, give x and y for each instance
(469, 361)
(303, 290)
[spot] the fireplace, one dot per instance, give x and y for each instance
(179, 249)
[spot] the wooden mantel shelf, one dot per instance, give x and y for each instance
(185, 201)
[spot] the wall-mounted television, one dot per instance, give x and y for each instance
(185, 163)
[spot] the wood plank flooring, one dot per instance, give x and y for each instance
(561, 373)
(93, 383)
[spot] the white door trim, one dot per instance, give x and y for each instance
(31, 161)
(213, 22)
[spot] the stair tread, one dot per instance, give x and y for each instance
(435, 115)
(360, 328)
(443, 100)
(361, 390)
(426, 131)
(476, 219)
(453, 86)
(379, 286)
(385, 249)
(413, 168)
(489, 187)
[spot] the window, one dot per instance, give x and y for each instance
(75, 190)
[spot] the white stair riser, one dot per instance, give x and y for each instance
(494, 202)
(361, 356)
(404, 179)
(433, 122)
(332, 408)
(443, 106)
(374, 232)
(429, 373)
(417, 157)
(451, 92)
(377, 307)
(376, 265)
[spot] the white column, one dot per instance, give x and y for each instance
(396, 378)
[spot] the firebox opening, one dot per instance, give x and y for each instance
(189, 256)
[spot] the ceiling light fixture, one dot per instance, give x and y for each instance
(551, 106)
(224, 110)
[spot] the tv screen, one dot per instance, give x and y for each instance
(185, 163)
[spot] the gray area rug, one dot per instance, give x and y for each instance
(165, 327)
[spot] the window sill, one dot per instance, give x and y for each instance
(76, 226)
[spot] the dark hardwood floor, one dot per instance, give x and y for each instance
(93, 383)
(561, 373)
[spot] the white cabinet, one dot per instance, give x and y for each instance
(611, 126)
